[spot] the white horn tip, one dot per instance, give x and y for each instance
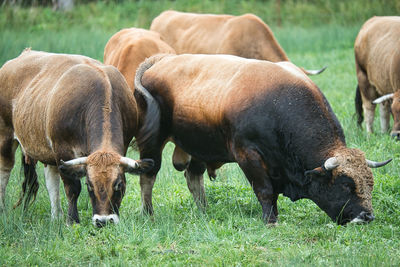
(382, 99)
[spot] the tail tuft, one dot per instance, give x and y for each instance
(30, 185)
(358, 106)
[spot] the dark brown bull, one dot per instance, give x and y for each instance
(268, 117)
(377, 54)
(78, 116)
(245, 36)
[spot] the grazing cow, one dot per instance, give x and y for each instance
(78, 117)
(245, 36)
(268, 117)
(129, 47)
(377, 54)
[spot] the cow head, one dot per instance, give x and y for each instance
(343, 186)
(395, 108)
(105, 180)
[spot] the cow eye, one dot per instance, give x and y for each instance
(347, 187)
(118, 186)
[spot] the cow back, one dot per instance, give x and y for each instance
(213, 97)
(246, 36)
(129, 47)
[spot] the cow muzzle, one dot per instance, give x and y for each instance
(363, 217)
(102, 220)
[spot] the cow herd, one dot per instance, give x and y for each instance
(220, 88)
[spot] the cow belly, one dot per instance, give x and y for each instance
(29, 130)
(206, 144)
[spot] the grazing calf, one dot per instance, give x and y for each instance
(78, 117)
(268, 117)
(377, 54)
(245, 36)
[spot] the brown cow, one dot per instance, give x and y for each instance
(129, 47)
(74, 113)
(377, 54)
(245, 36)
(268, 117)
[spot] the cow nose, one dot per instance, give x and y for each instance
(100, 222)
(366, 216)
(395, 135)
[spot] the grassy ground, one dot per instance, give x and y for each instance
(231, 232)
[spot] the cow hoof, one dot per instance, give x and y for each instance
(270, 218)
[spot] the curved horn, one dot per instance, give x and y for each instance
(383, 98)
(314, 72)
(374, 164)
(129, 162)
(331, 163)
(73, 162)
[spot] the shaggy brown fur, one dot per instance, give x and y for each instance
(353, 164)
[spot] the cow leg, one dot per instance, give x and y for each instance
(147, 181)
(195, 182)
(384, 112)
(72, 189)
(254, 168)
(368, 94)
(52, 177)
(275, 204)
(7, 154)
(146, 188)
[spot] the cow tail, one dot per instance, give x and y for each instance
(30, 185)
(150, 126)
(358, 105)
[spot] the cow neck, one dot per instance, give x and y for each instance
(106, 144)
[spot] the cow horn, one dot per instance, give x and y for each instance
(129, 162)
(314, 72)
(374, 164)
(331, 163)
(73, 162)
(383, 98)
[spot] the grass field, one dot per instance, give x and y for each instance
(231, 232)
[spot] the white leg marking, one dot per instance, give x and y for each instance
(4, 177)
(369, 119)
(52, 177)
(384, 111)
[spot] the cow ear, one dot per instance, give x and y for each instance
(72, 171)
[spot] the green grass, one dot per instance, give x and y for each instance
(231, 231)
